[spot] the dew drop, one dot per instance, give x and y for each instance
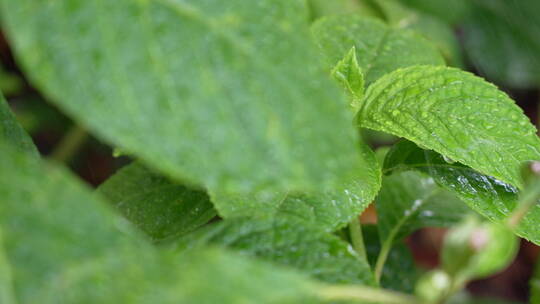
(448, 159)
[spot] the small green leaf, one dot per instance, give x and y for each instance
(11, 132)
(329, 210)
(350, 76)
(229, 95)
(400, 272)
(456, 114)
(488, 196)
(287, 242)
(159, 207)
(380, 49)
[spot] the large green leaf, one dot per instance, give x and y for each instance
(11, 132)
(456, 114)
(226, 94)
(502, 39)
(288, 242)
(327, 209)
(380, 49)
(6, 280)
(156, 205)
(409, 201)
(66, 246)
(486, 195)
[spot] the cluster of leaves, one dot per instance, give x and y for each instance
(249, 174)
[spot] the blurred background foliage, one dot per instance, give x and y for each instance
(496, 39)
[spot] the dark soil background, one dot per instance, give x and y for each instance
(94, 162)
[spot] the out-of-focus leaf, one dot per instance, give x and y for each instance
(321, 8)
(535, 286)
(409, 201)
(12, 133)
(400, 273)
(226, 94)
(380, 49)
(488, 196)
(287, 242)
(456, 114)
(451, 11)
(329, 210)
(6, 280)
(76, 250)
(502, 39)
(436, 31)
(210, 277)
(467, 299)
(156, 205)
(9, 83)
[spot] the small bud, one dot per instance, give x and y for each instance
(433, 285)
(530, 171)
(479, 239)
(475, 249)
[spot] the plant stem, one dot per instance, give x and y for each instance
(357, 239)
(528, 200)
(381, 260)
(362, 294)
(69, 145)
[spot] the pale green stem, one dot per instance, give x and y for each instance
(363, 294)
(70, 144)
(357, 239)
(381, 259)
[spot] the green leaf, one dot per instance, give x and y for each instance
(287, 242)
(329, 210)
(227, 95)
(210, 277)
(456, 114)
(11, 132)
(350, 76)
(486, 195)
(400, 272)
(159, 207)
(433, 29)
(380, 49)
(77, 250)
(450, 11)
(502, 41)
(6, 280)
(409, 201)
(320, 8)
